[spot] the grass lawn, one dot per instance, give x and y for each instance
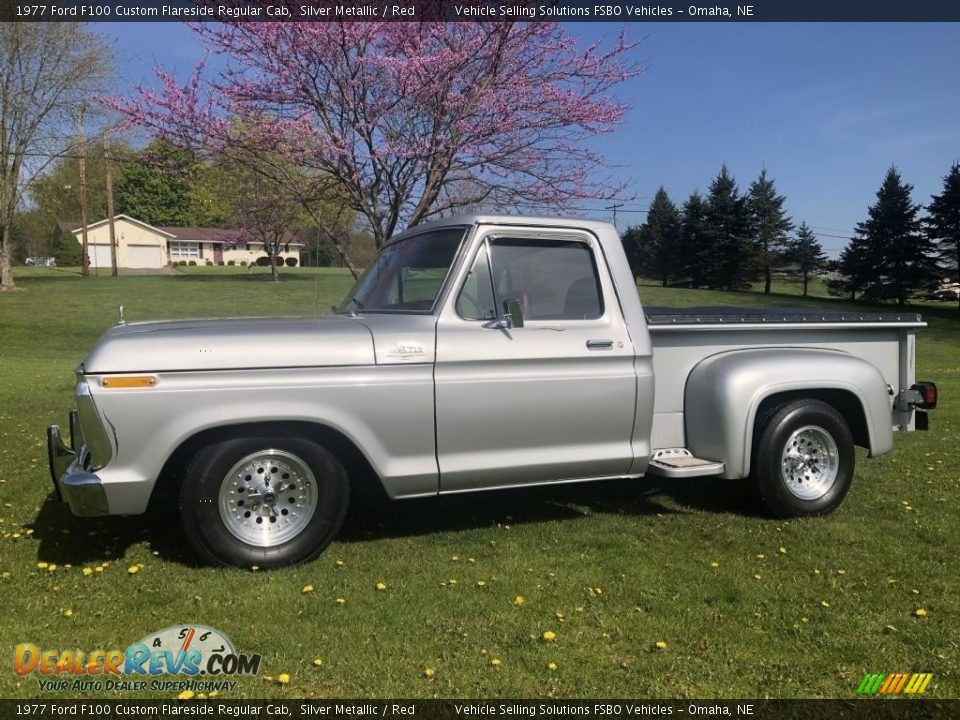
(747, 606)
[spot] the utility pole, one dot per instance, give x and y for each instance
(614, 208)
(85, 261)
(113, 238)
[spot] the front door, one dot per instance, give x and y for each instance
(552, 400)
(217, 254)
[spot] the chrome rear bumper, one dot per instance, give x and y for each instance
(81, 489)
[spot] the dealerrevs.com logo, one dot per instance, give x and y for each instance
(894, 683)
(183, 651)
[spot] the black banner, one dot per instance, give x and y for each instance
(617, 11)
(899, 709)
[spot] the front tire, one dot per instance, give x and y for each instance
(269, 502)
(803, 458)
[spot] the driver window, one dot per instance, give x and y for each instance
(475, 301)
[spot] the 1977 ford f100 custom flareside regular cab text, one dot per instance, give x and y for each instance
(476, 353)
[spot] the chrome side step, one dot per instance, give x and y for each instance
(680, 463)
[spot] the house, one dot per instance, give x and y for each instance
(140, 245)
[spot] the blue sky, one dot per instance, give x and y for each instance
(825, 108)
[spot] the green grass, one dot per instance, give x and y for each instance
(610, 568)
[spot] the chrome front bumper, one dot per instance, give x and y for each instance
(81, 489)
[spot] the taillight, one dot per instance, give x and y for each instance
(928, 391)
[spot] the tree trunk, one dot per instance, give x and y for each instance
(6, 240)
(766, 282)
(806, 279)
(273, 268)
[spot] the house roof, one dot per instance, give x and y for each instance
(188, 234)
(78, 228)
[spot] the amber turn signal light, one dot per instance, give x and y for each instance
(129, 381)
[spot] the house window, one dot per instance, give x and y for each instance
(184, 250)
(248, 247)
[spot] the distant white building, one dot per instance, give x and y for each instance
(140, 245)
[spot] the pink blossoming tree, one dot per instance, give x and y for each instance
(401, 122)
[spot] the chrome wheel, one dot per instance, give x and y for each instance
(268, 498)
(810, 462)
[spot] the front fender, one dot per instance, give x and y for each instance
(724, 391)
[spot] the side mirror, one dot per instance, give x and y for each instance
(511, 318)
(515, 311)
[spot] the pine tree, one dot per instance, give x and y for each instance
(856, 268)
(657, 241)
(694, 243)
(731, 263)
(632, 245)
(807, 253)
(942, 225)
(770, 225)
(903, 256)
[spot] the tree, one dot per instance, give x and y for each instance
(942, 224)
(889, 257)
(50, 70)
(770, 225)
(855, 269)
(729, 258)
(155, 185)
(401, 122)
(653, 248)
(807, 253)
(694, 242)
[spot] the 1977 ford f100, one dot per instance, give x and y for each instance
(476, 353)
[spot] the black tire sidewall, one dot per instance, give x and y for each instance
(772, 440)
(200, 509)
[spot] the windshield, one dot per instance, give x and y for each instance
(407, 275)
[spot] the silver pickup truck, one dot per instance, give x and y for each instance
(476, 353)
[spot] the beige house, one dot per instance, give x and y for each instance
(140, 245)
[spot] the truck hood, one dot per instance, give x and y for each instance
(232, 344)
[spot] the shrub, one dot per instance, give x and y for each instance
(209, 262)
(231, 262)
(220, 263)
(291, 262)
(263, 261)
(192, 263)
(243, 263)
(182, 263)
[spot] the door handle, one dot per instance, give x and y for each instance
(599, 344)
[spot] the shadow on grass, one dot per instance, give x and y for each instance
(64, 538)
(240, 276)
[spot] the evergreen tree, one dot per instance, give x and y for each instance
(770, 225)
(942, 225)
(730, 262)
(807, 253)
(694, 243)
(856, 268)
(654, 246)
(903, 254)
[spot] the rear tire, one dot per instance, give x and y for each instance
(268, 502)
(803, 458)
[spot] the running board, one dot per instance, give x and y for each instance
(680, 463)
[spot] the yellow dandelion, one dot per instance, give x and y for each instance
(317, 661)
(185, 695)
(481, 583)
(471, 560)
(88, 571)
(307, 589)
(341, 601)
(283, 679)
(429, 672)
(841, 572)
(756, 576)
(381, 586)
(254, 568)
(133, 569)
(455, 558)
(42, 565)
(549, 636)
(68, 613)
(782, 550)
(714, 564)
(761, 556)
(824, 603)
(559, 615)
(551, 665)
(803, 619)
(452, 581)
(338, 563)
(99, 568)
(495, 662)
(518, 600)
(660, 645)
(51, 567)
(919, 612)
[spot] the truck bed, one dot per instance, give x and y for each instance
(658, 317)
